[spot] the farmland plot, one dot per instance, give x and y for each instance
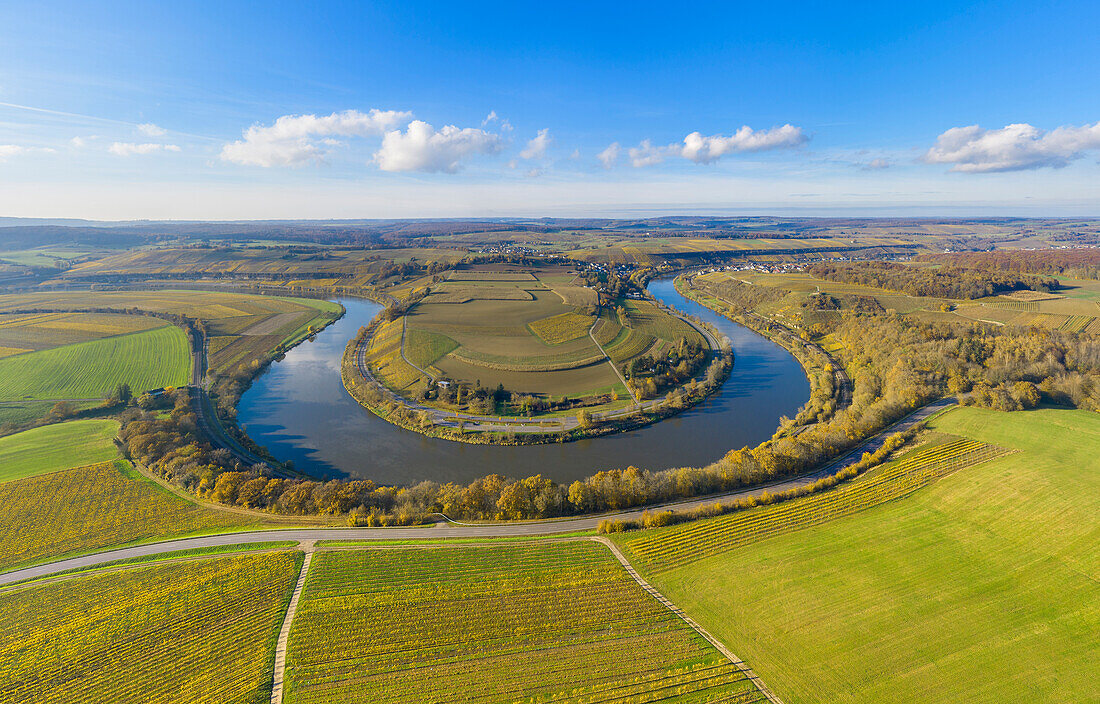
(506, 623)
(188, 632)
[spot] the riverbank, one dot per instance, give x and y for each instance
(830, 387)
(300, 410)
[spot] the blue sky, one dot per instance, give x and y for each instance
(286, 109)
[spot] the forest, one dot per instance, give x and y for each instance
(1076, 263)
(941, 282)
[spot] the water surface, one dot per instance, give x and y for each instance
(298, 408)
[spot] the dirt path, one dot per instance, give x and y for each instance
(306, 546)
(608, 358)
(738, 662)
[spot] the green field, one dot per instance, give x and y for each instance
(18, 413)
(980, 587)
(423, 348)
(189, 632)
(506, 623)
(144, 360)
(525, 330)
(55, 447)
(95, 507)
(476, 327)
(241, 327)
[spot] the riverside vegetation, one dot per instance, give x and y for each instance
(896, 362)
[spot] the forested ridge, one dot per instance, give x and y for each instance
(1081, 263)
(940, 282)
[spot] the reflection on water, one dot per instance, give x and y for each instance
(298, 408)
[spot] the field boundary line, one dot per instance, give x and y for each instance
(404, 328)
(284, 632)
(608, 358)
(738, 662)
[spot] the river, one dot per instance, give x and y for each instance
(298, 408)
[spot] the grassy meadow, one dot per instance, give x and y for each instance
(982, 586)
(519, 622)
(199, 632)
(55, 447)
(145, 360)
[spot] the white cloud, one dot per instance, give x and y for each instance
(77, 142)
(645, 154)
(422, 148)
(536, 148)
(130, 148)
(876, 165)
(533, 173)
(294, 140)
(491, 117)
(706, 150)
(10, 150)
(1012, 148)
(610, 156)
(150, 130)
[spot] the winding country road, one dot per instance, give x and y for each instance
(443, 530)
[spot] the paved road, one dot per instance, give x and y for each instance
(528, 528)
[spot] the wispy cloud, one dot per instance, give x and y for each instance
(706, 150)
(150, 130)
(645, 154)
(536, 148)
(875, 165)
(610, 156)
(1014, 147)
(131, 148)
(10, 150)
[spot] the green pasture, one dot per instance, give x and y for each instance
(144, 360)
(17, 413)
(984, 586)
(56, 447)
(423, 347)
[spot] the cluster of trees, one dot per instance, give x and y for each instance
(1077, 263)
(403, 270)
(648, 375)
(940, 282)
